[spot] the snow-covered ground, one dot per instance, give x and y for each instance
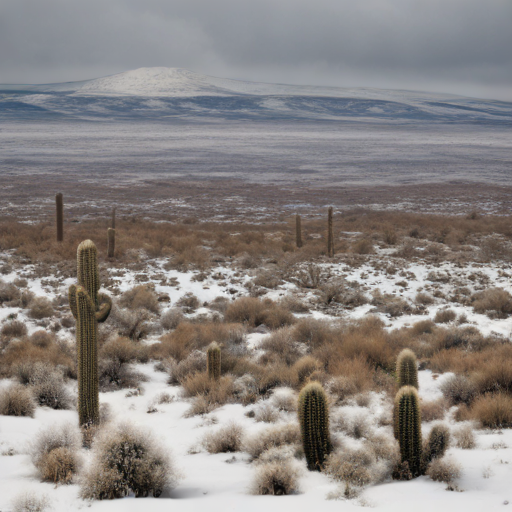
(220, 482)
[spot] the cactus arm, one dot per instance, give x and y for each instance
(72, 300)
(105, 307)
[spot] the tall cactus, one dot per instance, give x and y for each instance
(213, 355)
(330, 236)
(298, 231)
(407, 369)
(409, 427)
(113, 226)
(88, 307)
(313, 415)
(111, 235)
(59, 205)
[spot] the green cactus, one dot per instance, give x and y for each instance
(59, 204)
(313, 415)
(298, 231)
(213, 361)
(407, 369)
(330, 236)
(436, 445)
(111, 235)
(88, 307)
(409, 427)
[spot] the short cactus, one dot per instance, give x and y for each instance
(407, 369)
(213, 361)
(298, 231)
(409, 427)
(88, 307)
(111, 235)
(59, 204)
(330, 236)
(313, 415)
(436, 445)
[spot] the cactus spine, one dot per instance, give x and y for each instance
(314, 425)
(409, 427)
(330, 237)
(111, 233)
(88, 307)
(213, 361)
(407, 369)
(59, 204)
(298, 231)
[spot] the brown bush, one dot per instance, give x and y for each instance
(50, 390)
(13, 329)
(352, 466)
(40, 307)
(443, 316)
(55, 453)
(495, 302)
(432, 410)
(293, 304)
(493, 410)
(188, 302)
(458, 389)
(172, 318)
(313, 332)
(276, 478)
(390, 304)
(424, 298)
(282, 344)
(16, 400)
(272, 437)
(146, 470)
(305, 367)
(444, 470)
(253, 312)
(140, 297)
(114, 375)
(133, 324)
(224, 440)
(124, 350)
(8, 292)
(194, 363)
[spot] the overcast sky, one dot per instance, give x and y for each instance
(457, 46)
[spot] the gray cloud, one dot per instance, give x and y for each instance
(459, 46)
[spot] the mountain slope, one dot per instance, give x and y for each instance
(174, 93)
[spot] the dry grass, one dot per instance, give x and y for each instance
(17, 400)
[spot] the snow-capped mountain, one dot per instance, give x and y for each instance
(175, 93)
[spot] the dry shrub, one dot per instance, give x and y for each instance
(282, 344)
(13, 329)
(443, 316)
(9, 292)
(267, 279)
(47, 383)
(266, 413)
(495, 302)
(133, 324)
(284, 399)
(171, 319)
(224, 440)
(444, 470)
(42, 339)
(124, 350)
(208, 393)
(194, 363)
(423, 327)
(494, 375)
(274, 376)
(356, 425)
(113, 375)
(40, 307)
(465, 437)
(30, 501)
(293, 304)
(433, 410)
(493, 410)
(363, 246)
(276, 479)
(55, 455)
(305, 367)
(272, 437)
(356, 376)
(253, 312)
(188, 302)
(313, 332)
(352, 466)
(17, 400)
(219, 304)
(390, 304)
(127, 459)
(424, 298)
(140, 297)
